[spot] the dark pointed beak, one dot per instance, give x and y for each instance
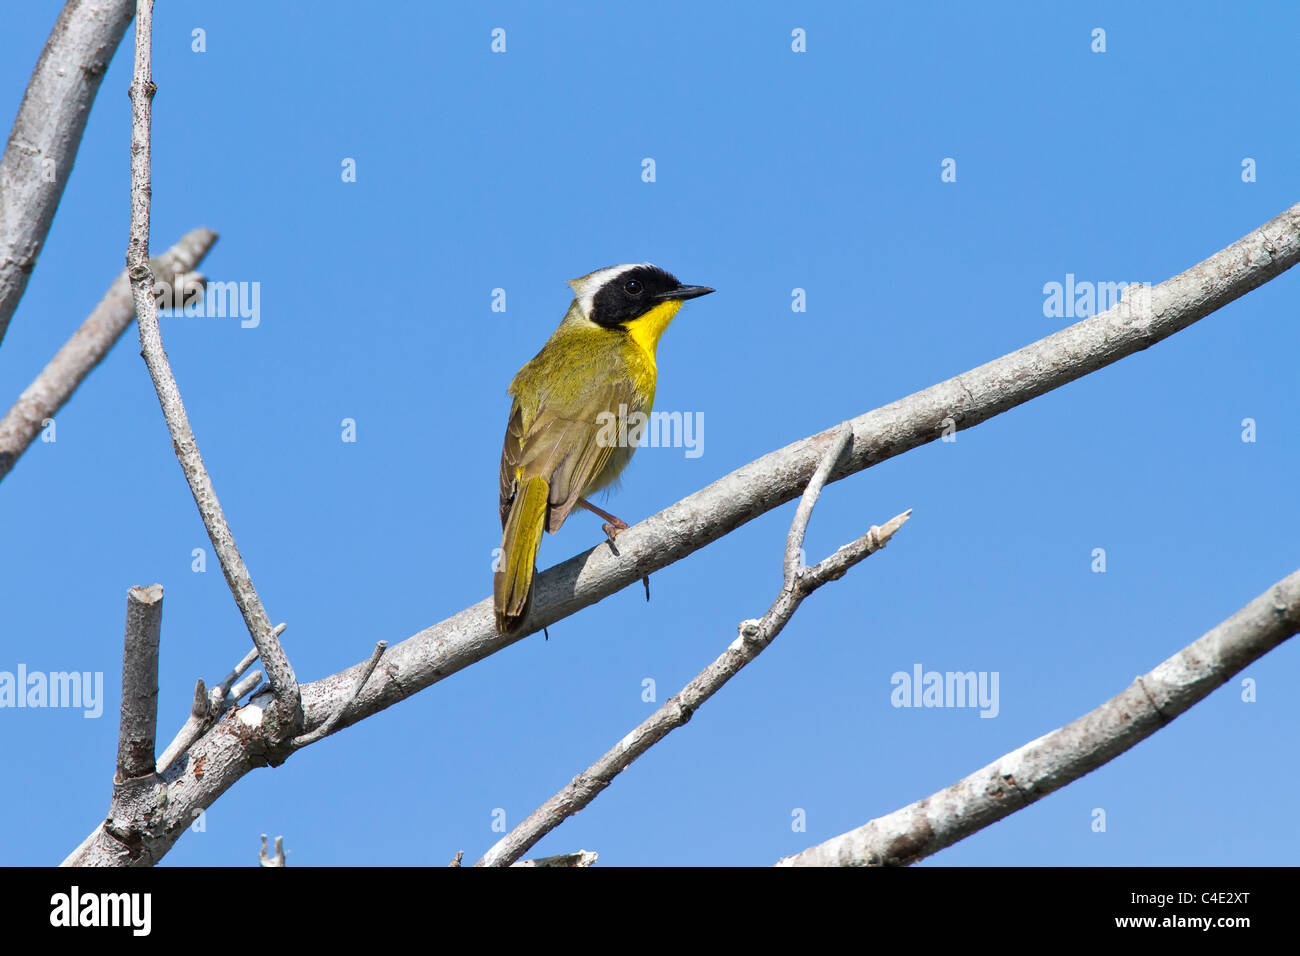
(684, 292)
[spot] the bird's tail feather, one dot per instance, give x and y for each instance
(512, 585)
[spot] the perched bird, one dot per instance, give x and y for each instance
(599, 363)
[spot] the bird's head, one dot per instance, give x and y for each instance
(640, 298)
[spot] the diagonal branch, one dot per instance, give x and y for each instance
(755, 637)
(766, 483)
(779, 476)
(286, 720)
(88, 346)
(46, 134)
(1041, 766)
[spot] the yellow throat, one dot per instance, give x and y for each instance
(645, 330)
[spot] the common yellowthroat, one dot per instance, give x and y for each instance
(599, 363)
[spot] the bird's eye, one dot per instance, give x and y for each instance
(632, 287)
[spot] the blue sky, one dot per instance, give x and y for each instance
(775, 170)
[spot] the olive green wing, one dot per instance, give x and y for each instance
(511, 455)
(568, 445)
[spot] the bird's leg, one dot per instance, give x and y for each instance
(612, 526)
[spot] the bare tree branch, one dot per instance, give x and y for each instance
(46, 134)
(278, 859)
(286, 719)
(578, 858)
(139, 724)
(1041, 766)
(88, 346)
(755, 636)
(235, 746)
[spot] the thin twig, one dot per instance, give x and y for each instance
(328, 726)
(799, 527)
(754, 637)
(279, 671)
(139, 723)
(1042, 766)
(200, 720)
